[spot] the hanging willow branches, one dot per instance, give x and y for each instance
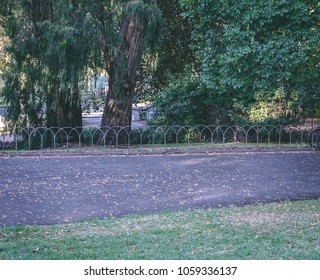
(54, 42)
(49, 56)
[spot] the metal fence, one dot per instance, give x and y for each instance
(159, 136)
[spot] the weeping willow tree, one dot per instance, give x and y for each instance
(139, 32)
(48, 53)
(53, 43)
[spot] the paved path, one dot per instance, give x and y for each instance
(58, 189)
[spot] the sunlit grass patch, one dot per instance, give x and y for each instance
(287, 230)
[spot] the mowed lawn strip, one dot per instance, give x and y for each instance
(286, 230)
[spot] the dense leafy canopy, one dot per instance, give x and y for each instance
(182, 101)
(175, 51)
(217, 61)
(257, 52)
(173, 55)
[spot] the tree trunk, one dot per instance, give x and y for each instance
(74, 117)
(122, 76)
(117, 112)
(65, 109)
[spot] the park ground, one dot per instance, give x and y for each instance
(138, 205)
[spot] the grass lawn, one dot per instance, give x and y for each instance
(288, 230)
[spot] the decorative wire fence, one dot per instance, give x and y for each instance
(175, 136)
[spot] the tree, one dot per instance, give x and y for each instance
(139, 30)
(54, 41)
(252, 51)
(49, 53)
(3, 58)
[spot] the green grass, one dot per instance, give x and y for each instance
(160, 148)
(288, 230)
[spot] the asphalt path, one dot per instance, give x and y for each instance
(58, 189)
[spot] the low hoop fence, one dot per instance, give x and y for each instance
(174, 136)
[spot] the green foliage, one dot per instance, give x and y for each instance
(182, 102)
(149, 19)
(174, 52)
(277, 105)
(248, 48)
(90, 135)
(218, 61)
(54, 42)
(49, 53)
